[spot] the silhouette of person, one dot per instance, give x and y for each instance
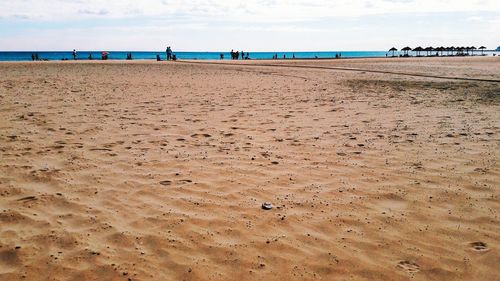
(74, 54)
(169, 53)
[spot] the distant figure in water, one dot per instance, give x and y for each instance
(36, 56)
(33, 57)
(221, 56)
(74, 54)
(90, 56)
(158, 58)
(284, 57)
(293, 56)
(129, 56)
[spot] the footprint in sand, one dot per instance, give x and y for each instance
(27, 199)
(203, 135)
(169, 182)
(479, 246)
(409, 266)
(184, 181)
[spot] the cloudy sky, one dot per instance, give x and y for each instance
(253, 25)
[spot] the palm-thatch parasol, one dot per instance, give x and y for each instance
(418, 50)
(452, 49)
(405, 50)
(448, 50)
(472, 49)
(482, 50)
(428, 50)
(441, 49)
(393, 49)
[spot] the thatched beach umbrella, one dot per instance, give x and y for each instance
(441, 49)
(428, 50)
(482, 50)
(405, 50)
(452, 49)
(418, 50)
(393, 49)
(449, 51)
(472, 49)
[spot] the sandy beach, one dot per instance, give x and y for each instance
(377, 169)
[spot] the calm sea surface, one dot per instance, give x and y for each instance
(84, 55)
(114, 55)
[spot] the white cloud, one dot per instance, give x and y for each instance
(253, 24)
(100, 12)
(250, 10)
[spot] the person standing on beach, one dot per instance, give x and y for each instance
(74, 54)
(169, 53)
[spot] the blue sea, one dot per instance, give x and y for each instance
(122, 55)
(115, 55)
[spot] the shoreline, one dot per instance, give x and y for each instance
(226, 61)
(65, 56)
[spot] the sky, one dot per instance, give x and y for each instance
(251, 25)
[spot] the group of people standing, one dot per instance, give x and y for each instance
(104, 56)
(236, 55)
(170, 55)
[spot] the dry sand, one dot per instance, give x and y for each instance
(157, 171)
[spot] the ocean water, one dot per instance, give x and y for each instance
(113, 55)
(122, 55)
